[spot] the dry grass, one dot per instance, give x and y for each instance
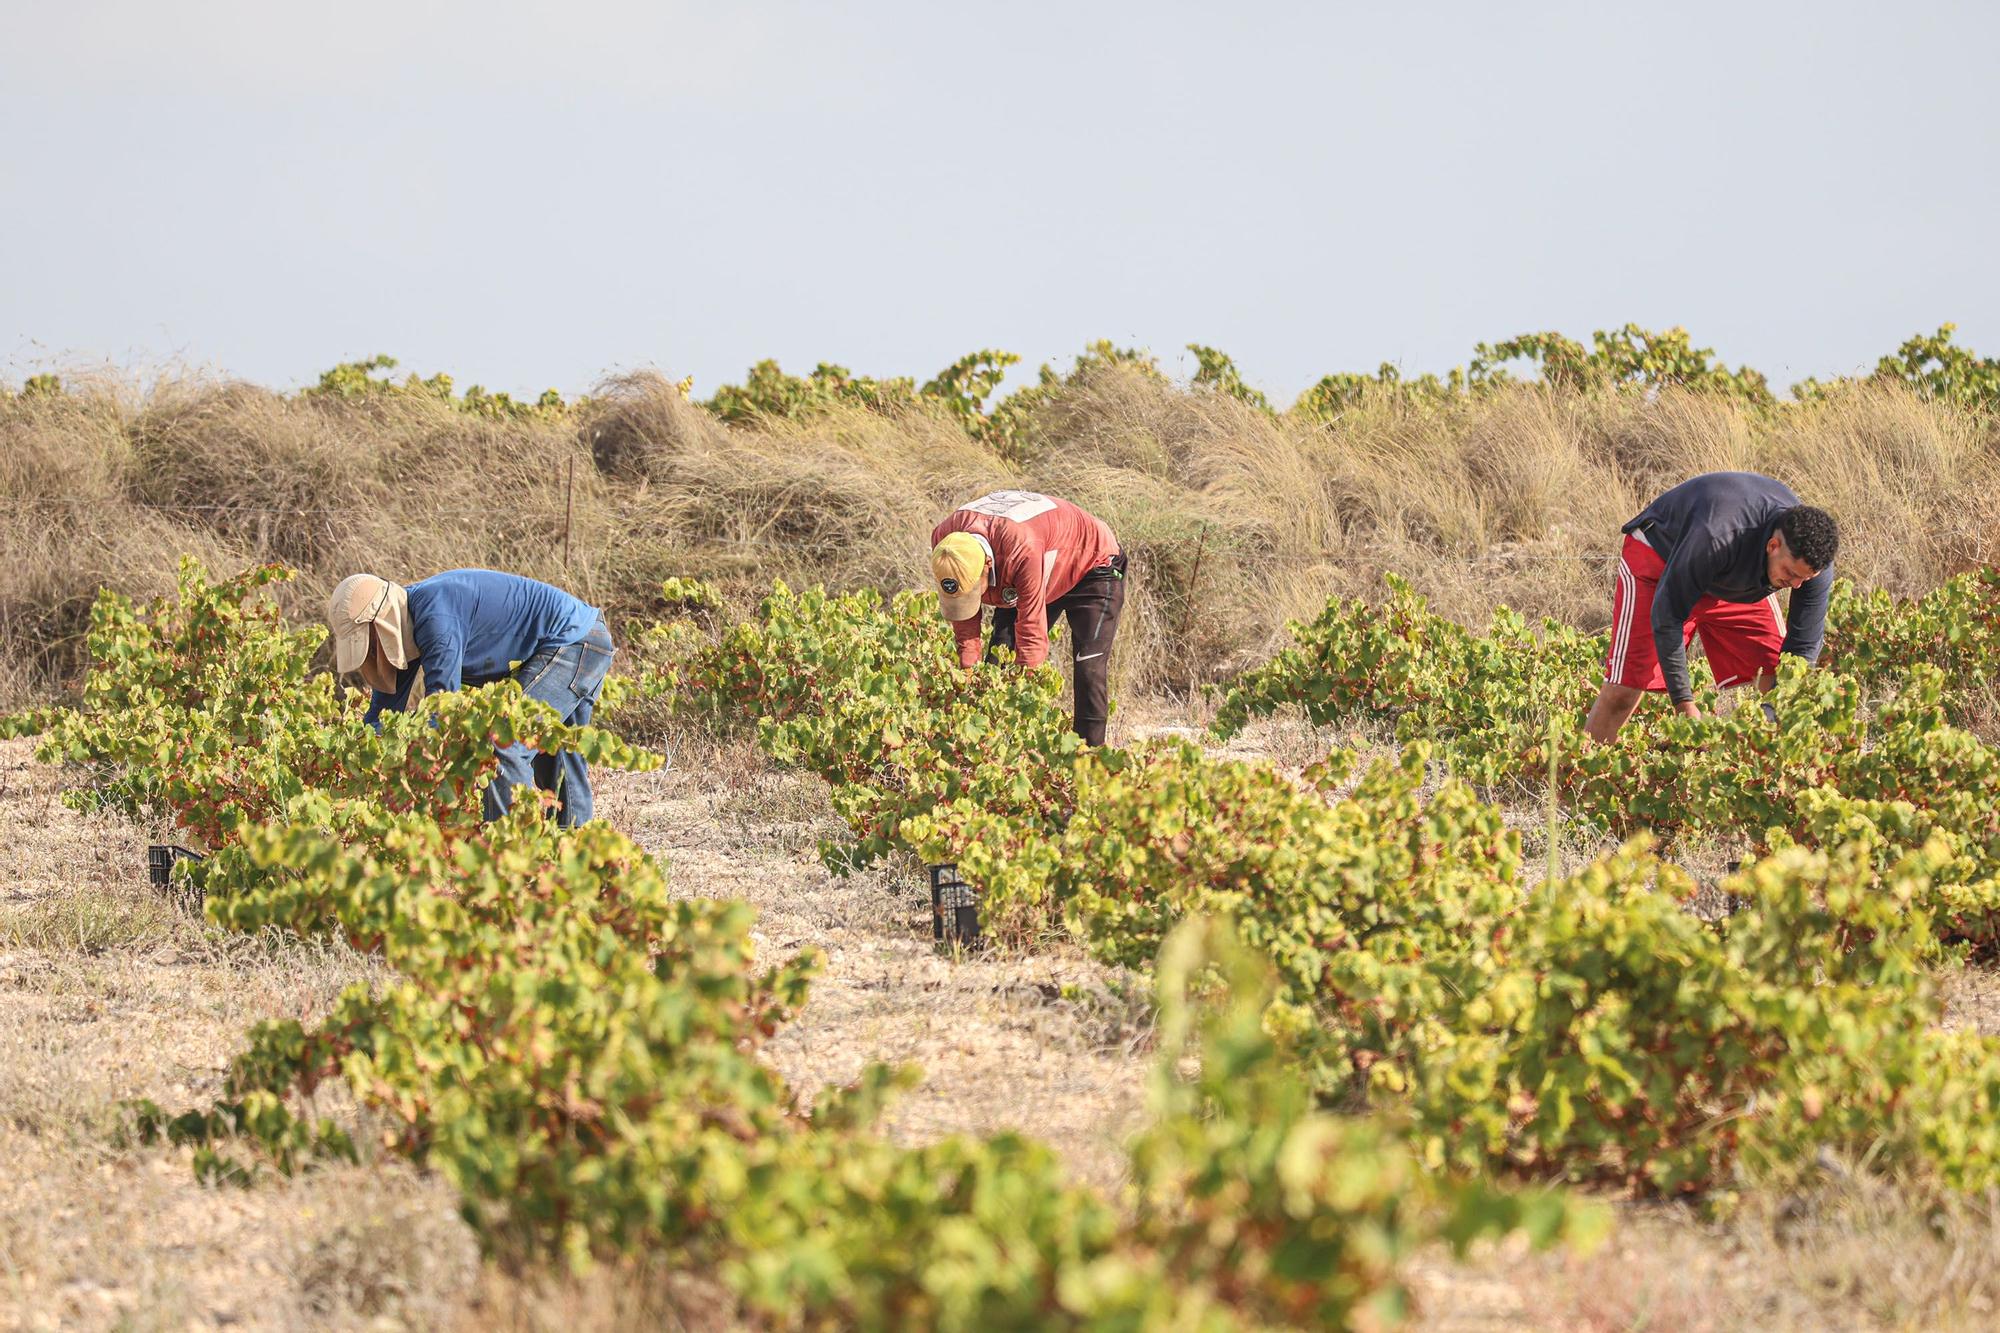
(1850, 1254)
(1235, 521)
(108, 993)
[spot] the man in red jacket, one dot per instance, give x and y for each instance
(1032, 558)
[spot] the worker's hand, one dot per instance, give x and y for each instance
(1688, 709)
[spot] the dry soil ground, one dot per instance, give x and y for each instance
(107, 992)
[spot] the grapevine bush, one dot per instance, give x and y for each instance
(1589, 1029)
(870, 697)
(1869, 748)
(577, 1051)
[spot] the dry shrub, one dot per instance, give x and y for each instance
(1848, 1253)
(474, 492)
(399, 484)
(610, 1298)
(1235, 520)
(846, 497)
(67, 529)
(274, 475)
(1912, 482)
(390, 1254)
(640, 423)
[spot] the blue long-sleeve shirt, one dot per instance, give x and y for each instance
(1711, 531)
(471, 626)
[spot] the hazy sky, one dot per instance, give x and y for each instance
(530, 195)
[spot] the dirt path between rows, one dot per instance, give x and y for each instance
(1000, 1046)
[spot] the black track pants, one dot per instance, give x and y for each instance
(1092, 608)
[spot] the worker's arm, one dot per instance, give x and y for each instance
(443, 664)
(380, 702)
(1031, 610)
(967, 634)
(1805, 621)
(1683, 583)
(444, 661)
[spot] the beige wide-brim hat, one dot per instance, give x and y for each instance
(362, 600)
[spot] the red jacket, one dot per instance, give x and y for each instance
(1041, 547)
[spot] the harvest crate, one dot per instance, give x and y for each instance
(160, 858)
(954, 907)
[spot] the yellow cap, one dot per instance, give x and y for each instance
(958, 563)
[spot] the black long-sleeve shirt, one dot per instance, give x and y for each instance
(1711, 531)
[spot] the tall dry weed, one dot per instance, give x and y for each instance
(1235, 520)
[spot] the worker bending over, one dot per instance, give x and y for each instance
(1710, 555)
(471, 627)
(1033, 558)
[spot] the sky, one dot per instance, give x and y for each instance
(536, 195)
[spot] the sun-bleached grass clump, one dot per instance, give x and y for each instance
(1236, 519)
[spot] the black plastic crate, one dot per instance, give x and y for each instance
(160, 860)
(954, 907)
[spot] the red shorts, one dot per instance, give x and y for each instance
(1740, 638)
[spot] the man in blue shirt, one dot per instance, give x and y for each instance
(471, 627)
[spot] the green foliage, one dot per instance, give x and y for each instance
(1092, 360)
(577, 1050)
(687, 594)
(1217, 373)
(573, 1048)
(1630, 357)
(43, 386)
(1344, 391)
(356, 381)
(1483, 699)
(767, 391)
(1617, 1038)
(963, 387)
(1589, 1030)
(1250, 1180)
(1835, 765)
(1165, 833)
(1935, 366)
(871, 698)
(1944, 371)
(202, 708)
(1627, 357)
(960, 391)
(1955, 627)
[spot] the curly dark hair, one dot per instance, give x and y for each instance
(1811, 535)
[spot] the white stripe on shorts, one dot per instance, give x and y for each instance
(1621, 633)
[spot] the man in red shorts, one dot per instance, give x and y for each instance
(1033, 558)
(1709, 556)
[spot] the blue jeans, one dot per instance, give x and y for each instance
(567, 680)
